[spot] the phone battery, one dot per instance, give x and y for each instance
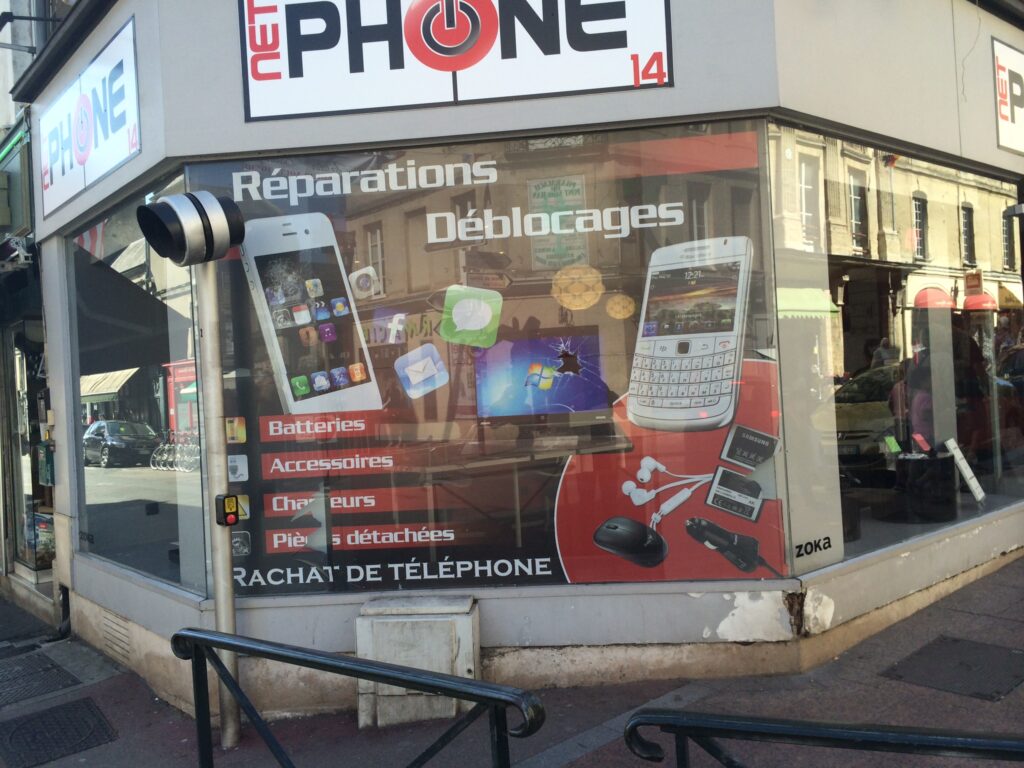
(748, 448)
(733, 493)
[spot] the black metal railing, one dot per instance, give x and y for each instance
(703, 729)
(198, 646)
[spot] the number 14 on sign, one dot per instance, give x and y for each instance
(652, 71)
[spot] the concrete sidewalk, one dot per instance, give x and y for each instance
(971, 641)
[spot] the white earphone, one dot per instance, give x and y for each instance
(640, 496)
(647, 465)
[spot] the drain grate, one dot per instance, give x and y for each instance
(53, 733)
(964, 667)
(30, 675)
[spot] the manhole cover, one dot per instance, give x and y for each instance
(53, 733)
(30, 675)
(964, 667)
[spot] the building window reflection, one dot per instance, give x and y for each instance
(967, 235)
(809, 200)
(1009, 258)
(859, 211)
(920, 229)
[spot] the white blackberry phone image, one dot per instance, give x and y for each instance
(307, 317)
(689, 350)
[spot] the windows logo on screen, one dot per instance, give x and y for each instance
(540, 376)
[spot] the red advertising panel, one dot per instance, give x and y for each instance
(537, 361)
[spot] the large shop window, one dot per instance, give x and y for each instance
(911, 367)
(537, 361)
(138, 402)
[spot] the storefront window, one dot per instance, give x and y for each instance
(138, 403)
(26, 473)
(910, 360)
(535, 361)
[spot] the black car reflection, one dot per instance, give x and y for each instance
(118, 442)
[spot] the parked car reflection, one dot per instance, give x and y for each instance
(118, 442)
(863, 418)
(876, 405)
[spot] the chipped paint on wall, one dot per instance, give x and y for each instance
(756, 615)
(819, 609)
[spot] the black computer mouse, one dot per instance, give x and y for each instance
(632, 540)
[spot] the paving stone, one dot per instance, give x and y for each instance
(964, 667)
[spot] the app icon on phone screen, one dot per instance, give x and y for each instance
(300, 313)
(357, 372)
(340, 377)
(340, 307)
(275, 295)
(308, 336)
(314, 288)
(321, 383)
(300, 386)
(282, 318)
(322, 313)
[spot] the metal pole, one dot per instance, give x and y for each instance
(499, 737)
(201, 700)
(682, 751)
(217, 483)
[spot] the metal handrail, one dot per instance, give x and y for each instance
(702, 728)
(197, 646)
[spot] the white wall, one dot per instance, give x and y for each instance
(919, 71)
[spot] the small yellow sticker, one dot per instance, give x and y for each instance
(231, 504)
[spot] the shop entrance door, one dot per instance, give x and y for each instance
(28, 517)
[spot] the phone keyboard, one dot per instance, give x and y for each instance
(696, 381)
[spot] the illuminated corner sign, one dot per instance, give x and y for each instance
(1008, 71)
(310, 57)
(93, 127)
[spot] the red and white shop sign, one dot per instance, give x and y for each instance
(93, 127)
(1008, 71)
(316, 427)
(362, 500)
(362, 537)
(310, 57)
